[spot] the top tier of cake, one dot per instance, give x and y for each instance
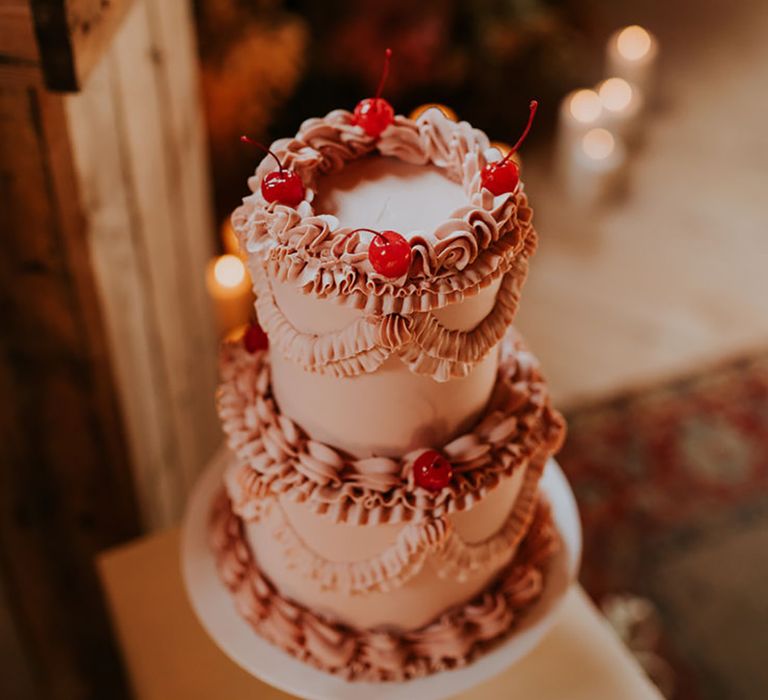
(366, 363)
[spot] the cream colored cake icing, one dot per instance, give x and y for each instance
(388, 193)
(336, 546)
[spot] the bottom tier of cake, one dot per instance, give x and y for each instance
(383, 654)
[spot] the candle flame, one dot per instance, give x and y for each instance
(229, 271)
(598, 144)
(585, 106)
(633, 42)
(229, 238)
(615, 94)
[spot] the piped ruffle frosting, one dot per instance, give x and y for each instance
(519, 429)
(453, 640)
(430, 538)
(424, 344)
(484, 238)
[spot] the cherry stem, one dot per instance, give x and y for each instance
(370, 230)
(262, 147)
(531, 114)
(384, 74)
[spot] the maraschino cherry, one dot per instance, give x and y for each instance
(389, 252)
(504, 175)
(254, 338)
(282, 185)
(432, 471)
(375, 114)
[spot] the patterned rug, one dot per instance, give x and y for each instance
(672, 484)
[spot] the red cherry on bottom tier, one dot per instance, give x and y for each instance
(432, 471)
(255, 339)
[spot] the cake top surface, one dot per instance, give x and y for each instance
(387, 193)
(461, 235)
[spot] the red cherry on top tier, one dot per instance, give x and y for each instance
(375, 114)
(282, 185)
(432, 471)
(255, 339)
(503, 176)
(389, 252)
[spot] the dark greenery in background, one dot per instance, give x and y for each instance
(486, 59)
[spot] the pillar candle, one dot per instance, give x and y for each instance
(229, 238)
(631, 54)
(595, 169)
(622, 106)
(580, 111)
(230, 289)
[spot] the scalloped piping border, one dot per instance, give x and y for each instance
(424, 344)
(415, 543)
(302, 247)
(454, 639)
(273, 454)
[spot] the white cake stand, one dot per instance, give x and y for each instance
(215, 608)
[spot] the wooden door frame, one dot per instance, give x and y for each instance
(66, 490)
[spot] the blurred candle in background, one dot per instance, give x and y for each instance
(580, 111)
(595, 169)
(229, 239)
(230, 288)
(622, 104)
(631, 54)
(447, 111)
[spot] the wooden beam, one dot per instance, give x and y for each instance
(65, 484)
(145, 192)
(72, 36)
(18, 46)
(55, 44)
(107, 346)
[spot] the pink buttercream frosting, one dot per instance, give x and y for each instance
(290, 496)
(424, 344)
(485, 237)
(435, 539)
(452, 640)
(273, 455)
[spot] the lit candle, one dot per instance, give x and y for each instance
(229, 238)
(230, 288)
(596, 166)
(622, 104)
(580, 111)
(631, 54)
(447, 111)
